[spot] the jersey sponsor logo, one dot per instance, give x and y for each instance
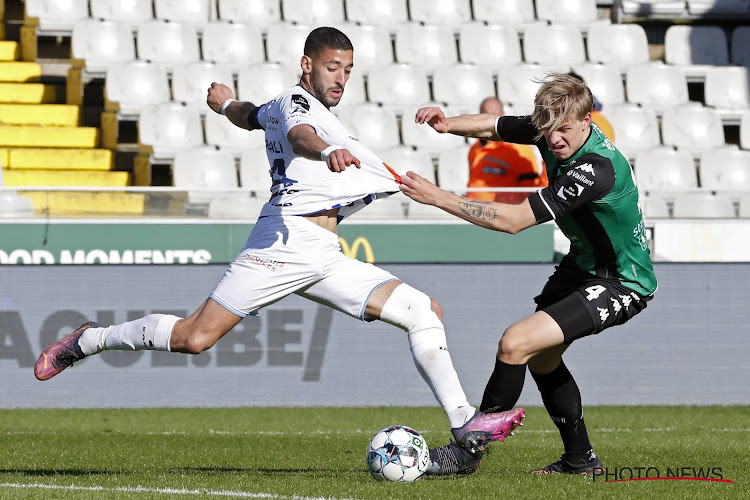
(580, 177)
(586, 167)
(626, 300)
(603, 313)
(615, 305)
(300, 100)
(274, 147)
(566, 191)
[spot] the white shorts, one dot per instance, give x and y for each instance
(289, 254)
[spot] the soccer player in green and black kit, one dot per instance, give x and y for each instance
(604, 280)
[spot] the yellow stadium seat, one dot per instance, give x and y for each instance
(22, 177)
(56, 158)
(49, 137)
(40, 114)
(27, 93)
(20, 72)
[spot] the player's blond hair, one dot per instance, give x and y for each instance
(561, 98)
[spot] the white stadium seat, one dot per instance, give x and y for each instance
(631, 47)
(57, 16)
(254, 171)
(372, 46)
(102, 43)
(654, 207)
(636, 128)
(745, 207)
(233, 45)
(403, 160)
(702, 206)
(285, 43)
(190, 83)
(665, 169)
(313, 12)
(136, 85)
(582, 13)
(741, 46)
(380, 13)
(726, 169)
(462, 84)
(420, 212)
(354, 90)
(235, 207)
(453, 169)
(692, 127)
(440, 12)
(374, 126)
(516, 13)
(517, 85)
(424, 137)
(222, 133)
(183, 11)
(492, 45)
(15, 206)
(389, 208)
(745, 130)
(204, 168)
(398, 85)
(130, 12)
(604, 81)
(553, 44)
(706, 8)
(728, 90)
(425, 45)
(169, 128)
(167, 43)
(262, 82)
(653, 8)
(656, 85)
(259, 12)
(695, 49)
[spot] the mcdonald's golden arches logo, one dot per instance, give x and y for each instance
(352, 251)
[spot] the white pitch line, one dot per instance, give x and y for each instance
(164, 491)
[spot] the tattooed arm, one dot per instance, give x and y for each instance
(496, 216)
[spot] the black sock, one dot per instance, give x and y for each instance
(504, 387)
(563, 402)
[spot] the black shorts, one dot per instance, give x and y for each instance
(583, 304)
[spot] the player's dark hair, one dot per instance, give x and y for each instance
(326, 38)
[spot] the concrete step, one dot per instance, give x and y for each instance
(54, 158)
(24, 177)
(20, 72)
(64, 115)
(9, 50)
(27, 93)
(48, 137)
(58, 203)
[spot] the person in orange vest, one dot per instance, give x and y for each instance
(503, 164)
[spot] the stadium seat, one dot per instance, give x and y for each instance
(420, 212)
(553, 44)
(725, 169)
(263, 13)
(354, 91)
(745, 207)
(451, 12)
(604, 81)
(167, 43)
(254, 171)
(582, 13)
(636, 128)
(695, 49)
(235, 207)
(190, 83)
(631, 47)
(131, 12)
(233, 45)
(462, 84)
(656, 85)
(453, 169)
(423, 136)
(741, 46)
(136, 85)
(431, 46)
(398, 85)
(102, 43)
(262, 82)
(169, 128)
(665, 169)
(56, 16)
(517, 85)
(654, 207)
(728, 90)
(372, 46)
(313, 12)
(654, 8)
(692, 127)
(402, 160)
(385, 13)
(14, 205)
(222, 133)
(389, 208)
(717, 8)
(285, 43)
(374, 126)
(183, 11)
(702, 206)
(493, 45)
(745, 130)
(516, 13)
(204, 168)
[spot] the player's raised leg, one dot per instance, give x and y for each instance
(160, 332)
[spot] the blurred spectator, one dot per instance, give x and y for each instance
(597, 116)
(503, 164)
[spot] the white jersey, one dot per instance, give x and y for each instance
(302, 186)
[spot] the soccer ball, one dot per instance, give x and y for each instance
(397, 453)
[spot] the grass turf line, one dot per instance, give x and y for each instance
(319, 452)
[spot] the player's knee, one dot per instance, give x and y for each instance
(412, 310)
(513, 348)
(192, 341)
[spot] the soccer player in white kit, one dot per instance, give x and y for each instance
(320, 174)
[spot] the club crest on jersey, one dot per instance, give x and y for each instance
(300, 100)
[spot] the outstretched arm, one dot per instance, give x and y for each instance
(481, 126)
(305, 142)
(496, 216)
(238, 112)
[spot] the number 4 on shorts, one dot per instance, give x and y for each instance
(594, 292)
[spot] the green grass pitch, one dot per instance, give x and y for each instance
(319, 453)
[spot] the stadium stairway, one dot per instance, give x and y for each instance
(42, 144)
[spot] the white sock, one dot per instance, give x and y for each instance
(151, 332)
(430, 352)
